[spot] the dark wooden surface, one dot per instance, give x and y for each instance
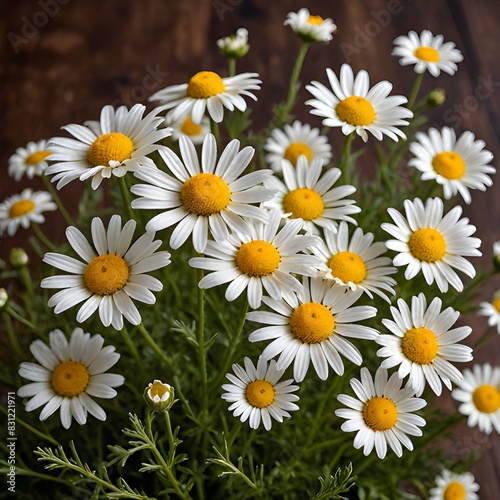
(85, 54)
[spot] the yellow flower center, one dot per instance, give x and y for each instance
(205, 194)
(205, 84)
(257, 258)
(312, 322)
(260, 393)
(454, 491)
(420, 345)
(158, 389)
(70, 378)
(20, 208)
(296, 149)
(348, 266)
(427, 54)
(110, 147)
(188, 127)
(36, 157)
(356, 110)
(315, 20)
(449, 164)
(106, 274)
(380, 414)
(496, 304)
(486, 398)
(304, 203)
(427, 245)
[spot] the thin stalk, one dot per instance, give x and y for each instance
(151, 342)
(345, 159)
(484, 338)
(41, 236)
(13, 340)
(214, 128)
(232, 66)
(200, 334)
(57, 200)
(415, 90)
(126, 197)
(8, 309)
(131, 346)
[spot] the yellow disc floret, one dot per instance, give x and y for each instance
(312, 322)
(106, 274)
(20, 208)
(158, 389)
(420, 345)
(190, 128)
(304, 203)
(205, 84)
(315, 20)
(257, 258)
(427, 244)
(486, 398)
(356, 110)
(348, 266)
(205, 194)
(110, 147)
(296, 149)
(380, 414)
(427, 54)
(70, 378)
(454, 491)
(496, 304)
(260, 393)
(449, 164)
(36, 157)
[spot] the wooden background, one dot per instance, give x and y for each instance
(62, 66)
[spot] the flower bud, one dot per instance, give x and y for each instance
(18, 258)
(4, 297)
(436, 98)
(234, 46)
(159, 396)
(496, 255)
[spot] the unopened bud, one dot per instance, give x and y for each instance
(159, 396)
(234, 46)
(18, 258)
(436, 98)
(4, 297)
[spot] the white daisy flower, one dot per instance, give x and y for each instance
(428, 242)
(311, 326)
(206, 90)
(423, 345)
(117, 144)
(453, 486)
(257, 394)
(310, 28)
(306, 196)
(69, 375)
(294, 141)
(356, 108)
(492, 311)
(427, 52)
(185, 126)
(382, 414)
(264, 258)
(457, 165)
(234, 46)
(23, 209)
(29, 161)
(356, 263)
(479, 393)
(110, 277)
(206, 198)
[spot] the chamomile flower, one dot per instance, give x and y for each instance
(111, 275)
(453, 486)
(234, 46)
(457, 165)
(203, 199)
(479, 393)
(310, 28)
(264, 258)
(206, 90)
(356, 108)
(294, 141)
(312, 326)
(356, 263)
(427, 52)
(423, 345)
(257, 394)
(68, 375)
(29, 161)
(23, 209)
(428, 242)
(492, 311)
(185, 126)
(382, 414)
(117, 144)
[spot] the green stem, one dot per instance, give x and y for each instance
(214, 129)
(232, 66)
(415, 90)
(13, 340)
(151, 342)
(126, 197)
(345, 159)
(484, 338)
(131, 346)
(200, 334)
(43, 238)
(8, 309)
(57, 200)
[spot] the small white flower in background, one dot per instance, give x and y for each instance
(159, 396)
(24, 209)
(423, 345)
(68, 374)
(356, 108)
(258, 395)
(428, 242)
(185, 126)
(479, 393)
(111, 275)
(453, 486)
(4, 298)
(457, 165)
(116, 144)
(492, 311)
(496, 255)
(30, 161)
(382, 414)
(234, 46)
(427, 52)
(310, 28)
